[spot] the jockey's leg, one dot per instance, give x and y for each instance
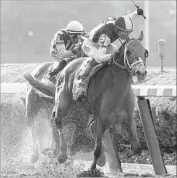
(63, 100)
(57, 68)
(85, 73)
(84, 77)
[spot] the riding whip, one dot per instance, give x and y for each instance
(138, 8)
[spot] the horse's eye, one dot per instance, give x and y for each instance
(146, 54)
(128, 52)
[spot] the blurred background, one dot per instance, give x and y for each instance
(27, 27)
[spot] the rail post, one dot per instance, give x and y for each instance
(161, 52)
(150, 135)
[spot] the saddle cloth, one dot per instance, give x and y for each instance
(80, 85)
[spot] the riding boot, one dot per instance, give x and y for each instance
(58, 67)
(85, 75)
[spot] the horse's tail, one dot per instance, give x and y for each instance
(47, 89)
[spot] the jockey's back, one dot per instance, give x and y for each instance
(105, 30)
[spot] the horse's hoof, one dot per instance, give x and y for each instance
(34, 157)
(136, 151)
(129, 153)
(55, 152)
(93, 168)
(62, 158)
(101, 161)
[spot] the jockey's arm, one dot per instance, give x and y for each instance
(132, 15)
(58, 49)
(103, 41)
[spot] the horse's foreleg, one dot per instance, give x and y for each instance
(55, 138)
(98, 148)
(35, 154)
(62, 102)
(102, 159)
(31, 111)
(132, 131)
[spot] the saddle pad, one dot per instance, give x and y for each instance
(80, 86)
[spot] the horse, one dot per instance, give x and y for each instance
(109, 94)
(39, 113)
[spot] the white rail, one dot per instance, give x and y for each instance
(139, 90)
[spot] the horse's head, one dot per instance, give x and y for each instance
(134, 55)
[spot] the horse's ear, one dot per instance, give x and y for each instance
(141, 36)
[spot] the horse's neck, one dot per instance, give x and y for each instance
(119, 60)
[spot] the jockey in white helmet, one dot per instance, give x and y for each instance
(65, 45)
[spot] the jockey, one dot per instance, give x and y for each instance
(109, 31)
(65, 45)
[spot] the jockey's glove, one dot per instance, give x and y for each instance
(114, 54)
(140, 11)
(75, 50)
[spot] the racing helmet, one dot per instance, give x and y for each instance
(75, 27)
(124, 24)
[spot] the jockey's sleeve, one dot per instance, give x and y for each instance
(58, 49)
(103, 58)
(132, 15)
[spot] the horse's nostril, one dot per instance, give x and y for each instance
(138, 72)
(142, 73)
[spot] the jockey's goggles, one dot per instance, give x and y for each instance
(123, 30)
(74, 35)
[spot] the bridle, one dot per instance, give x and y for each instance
(127, 66)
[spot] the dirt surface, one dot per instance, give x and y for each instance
(13, 73)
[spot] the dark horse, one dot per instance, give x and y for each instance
(109, 95)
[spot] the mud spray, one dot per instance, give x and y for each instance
(16, 140)
(17, 143)
(17, 146)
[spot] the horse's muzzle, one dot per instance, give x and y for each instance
(141, 73)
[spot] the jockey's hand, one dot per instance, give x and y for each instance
(76, 48)
(79, 44)
(140, 11)
(113, 55)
